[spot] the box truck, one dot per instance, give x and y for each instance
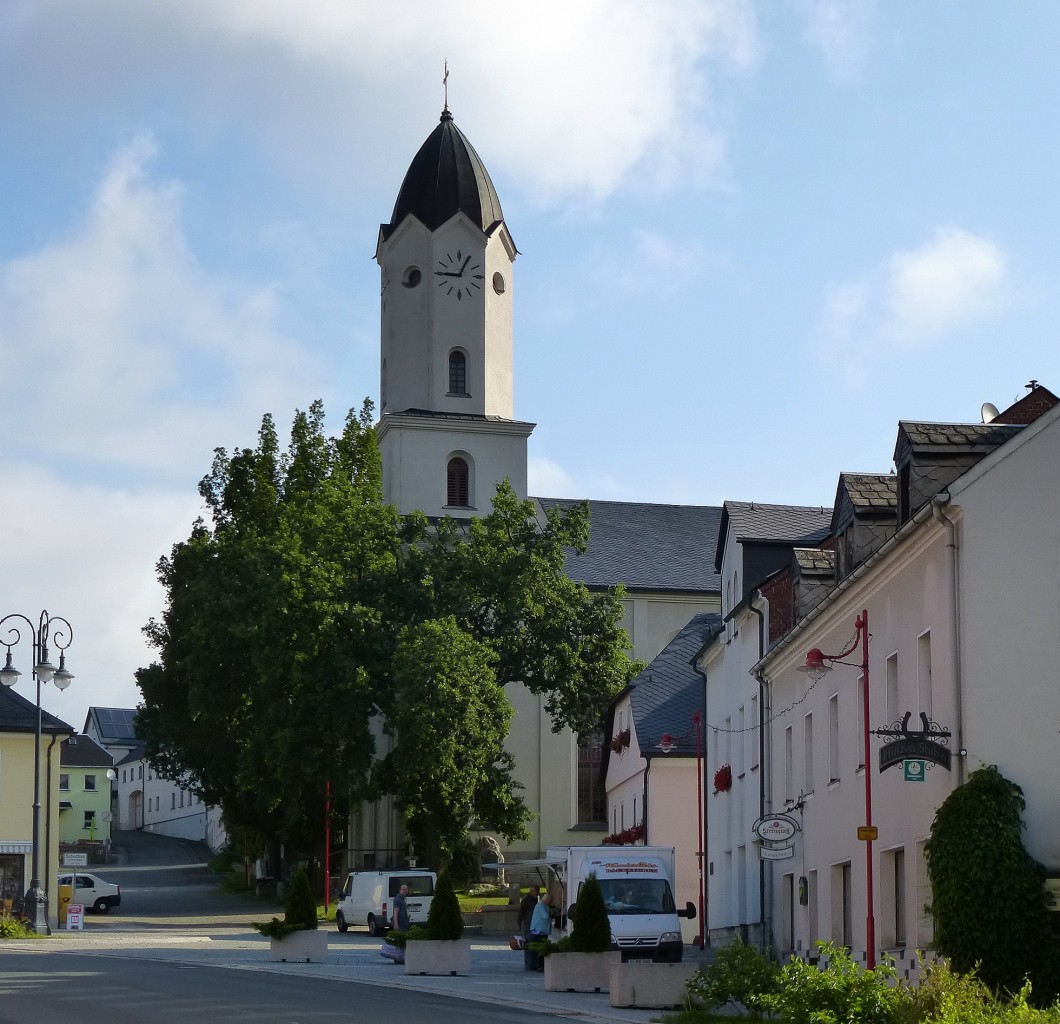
(367, 898)
(637, 883)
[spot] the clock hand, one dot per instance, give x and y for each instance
(448, 273)
(464, 267)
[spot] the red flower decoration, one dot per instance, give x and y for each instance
(723, 779)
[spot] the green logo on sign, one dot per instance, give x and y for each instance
(914, 770)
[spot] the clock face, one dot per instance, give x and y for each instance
(459, 275)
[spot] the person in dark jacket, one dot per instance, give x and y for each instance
(526, 914)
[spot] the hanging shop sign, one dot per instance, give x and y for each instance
(776, 828)
(776, 853)
(914, 769)
(927, 744)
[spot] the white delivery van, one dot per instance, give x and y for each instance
(638, 888)
(367, 898)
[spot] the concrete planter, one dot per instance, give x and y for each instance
(651, 986)
(580, 972)
(307, 944)
(437, 956)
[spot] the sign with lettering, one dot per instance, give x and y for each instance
(776, 828)
(914, 770)
(75, 917)
(914, 744)
(75, 860)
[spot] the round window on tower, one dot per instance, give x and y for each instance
(498, 283)
(411, 277)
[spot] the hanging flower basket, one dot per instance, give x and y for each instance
(620, 741)
(723, 779)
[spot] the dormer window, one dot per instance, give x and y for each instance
(457, 373)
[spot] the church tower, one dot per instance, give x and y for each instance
(447, 433)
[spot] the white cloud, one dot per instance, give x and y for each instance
(919, 296)
(547, 479)
(651, 264)
(944, 283)
(108, 331)
(569, 99)
(842, 31)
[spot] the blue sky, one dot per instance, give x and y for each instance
(753, 237)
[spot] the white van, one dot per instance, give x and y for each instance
(367, 898)
(637, 883)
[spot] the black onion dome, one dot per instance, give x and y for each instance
(446, 176)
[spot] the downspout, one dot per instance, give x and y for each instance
(940, 504)
(765, 930)
(644, 808)
(48, 887)
(701, 766)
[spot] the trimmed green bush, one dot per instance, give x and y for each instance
(299, 908)
(592, 927)
(299, 911)
(443, 919)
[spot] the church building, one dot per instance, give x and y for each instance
(448, 435)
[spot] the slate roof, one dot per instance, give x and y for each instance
(18, 714)
(646, 547)
(84, 752)
(803, 525)
(137, 753)
(446, 176)
(815, 560)
(941, 438)
(871, 490)
(669, 691)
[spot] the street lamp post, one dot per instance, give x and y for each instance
(36, 901)
(666, 744)
(817, 664)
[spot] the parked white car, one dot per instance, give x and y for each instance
(94, 893)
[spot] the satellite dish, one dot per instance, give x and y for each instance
(989, 412)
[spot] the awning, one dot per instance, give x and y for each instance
(64, 805)
(26, 847)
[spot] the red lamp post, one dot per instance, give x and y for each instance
(817, 664)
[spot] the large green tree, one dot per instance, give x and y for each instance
(306, 606)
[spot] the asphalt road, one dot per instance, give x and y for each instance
(57, 988)
(166, 884)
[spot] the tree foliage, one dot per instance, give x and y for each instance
(306, 611)
(988, 894)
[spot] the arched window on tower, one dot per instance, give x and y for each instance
(457, 373)
(457, 493)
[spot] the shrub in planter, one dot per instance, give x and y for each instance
(299, 911)
(739, 976)
(592, 927)
(444, 920)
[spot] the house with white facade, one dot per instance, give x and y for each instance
(954, 614)
(754, 550)
(154, 804)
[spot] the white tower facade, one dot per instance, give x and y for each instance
(447, 432)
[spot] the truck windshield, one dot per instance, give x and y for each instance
(644, 896)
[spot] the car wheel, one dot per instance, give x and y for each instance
(101, 906)
(341, 921)
(374, 928)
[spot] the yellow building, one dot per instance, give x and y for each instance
(18, 724)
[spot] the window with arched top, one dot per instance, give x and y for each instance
(457, 373)
(457, 483)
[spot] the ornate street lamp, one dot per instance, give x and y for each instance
(817, 664)
(36, 901)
